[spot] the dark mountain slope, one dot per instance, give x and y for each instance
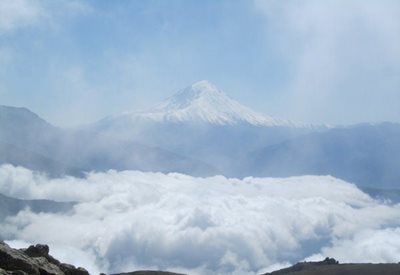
(29, 141)
(25, 129)
(219, 145)
(11, 206)
(368, 155)
(100, 152)
(21, 157)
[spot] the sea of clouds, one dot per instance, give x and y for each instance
(130, 220)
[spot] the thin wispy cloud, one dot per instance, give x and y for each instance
(95, 64)
(343, 55)
(330, 62)
(15, 14)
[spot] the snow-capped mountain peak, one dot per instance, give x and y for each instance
(204, 102)
(197, 90)
(200, 92)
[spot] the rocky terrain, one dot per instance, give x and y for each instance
(330, 266)
(36, 260)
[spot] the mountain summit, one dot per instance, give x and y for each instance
(204, 102)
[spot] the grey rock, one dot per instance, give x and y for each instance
(34, 260)
(330, 266)
(13, 260)
(38, 250)
(18, 272)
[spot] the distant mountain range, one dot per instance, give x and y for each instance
(201, 131)
(27, 140)
(365, 154)
(11, 206)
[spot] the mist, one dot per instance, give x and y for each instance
(133, 220)
(201, 137)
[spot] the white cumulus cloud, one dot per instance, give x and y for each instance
(125, 221)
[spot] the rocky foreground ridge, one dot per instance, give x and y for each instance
(36, 260)
(330, 266)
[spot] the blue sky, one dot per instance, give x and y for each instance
(315, 61)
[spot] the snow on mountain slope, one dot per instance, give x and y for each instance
(204, 102)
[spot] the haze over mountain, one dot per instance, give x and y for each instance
(11, 206)
(204, 123)
(29, 141)
(117, 154)
(365, 154)
(202, 131)
(203, 102)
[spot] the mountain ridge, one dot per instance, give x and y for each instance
(357, 153)
(204, 102)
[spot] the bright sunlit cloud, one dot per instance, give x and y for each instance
(131, 220)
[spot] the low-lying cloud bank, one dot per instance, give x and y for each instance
(131, 220)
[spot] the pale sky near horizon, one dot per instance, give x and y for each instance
(72, 62)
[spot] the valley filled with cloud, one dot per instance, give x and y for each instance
(130, 220)
(200, 137)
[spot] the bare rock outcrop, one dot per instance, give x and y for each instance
(34, 260)
(330, 266)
